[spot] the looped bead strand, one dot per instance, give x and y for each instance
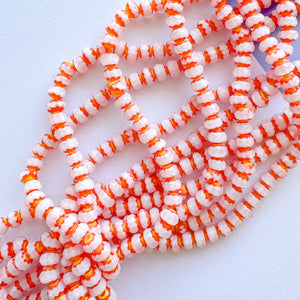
(152, 205)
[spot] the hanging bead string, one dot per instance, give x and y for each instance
(151, 206)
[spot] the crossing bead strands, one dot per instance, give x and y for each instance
(153, 206)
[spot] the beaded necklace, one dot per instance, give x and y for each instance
(96, 226)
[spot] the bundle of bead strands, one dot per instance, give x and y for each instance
(151, 206)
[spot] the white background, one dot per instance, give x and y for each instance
(261, 260)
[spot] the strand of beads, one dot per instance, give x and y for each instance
(152, 206)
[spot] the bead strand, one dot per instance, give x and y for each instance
(178, 196)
